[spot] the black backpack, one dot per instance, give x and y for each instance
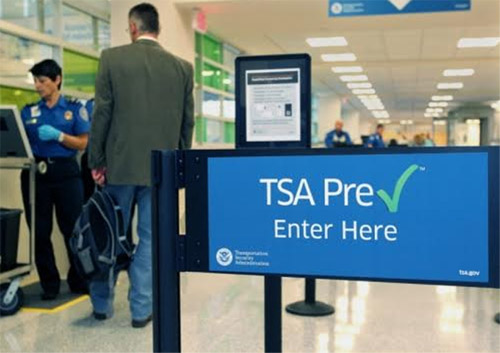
(98, 244)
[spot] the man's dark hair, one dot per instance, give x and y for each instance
(48, 68)
(379, 126)
(147, 17)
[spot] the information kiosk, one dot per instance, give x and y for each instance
(15, 153)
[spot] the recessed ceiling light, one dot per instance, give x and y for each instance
(458, 72)
(434, 110)
(327, 42)
(363, 91)
(483, 42)
(428, 115)
(359, 85)
(438, 104)
(406, 122)
(347, 69)
(380, 114)
(442, 98)
(353, 78)
(450, 85)
(439, 122)
(496, 105)
(338, 57)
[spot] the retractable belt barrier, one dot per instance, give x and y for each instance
(408, 215)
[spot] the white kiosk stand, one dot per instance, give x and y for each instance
(15, 153)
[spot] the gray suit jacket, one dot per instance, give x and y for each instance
(143, 102)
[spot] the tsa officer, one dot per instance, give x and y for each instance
(337, 137)
(57, 129)
(376, 140)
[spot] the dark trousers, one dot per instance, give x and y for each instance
(60, 188)
(88, 181)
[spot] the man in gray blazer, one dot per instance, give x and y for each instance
(143, 102)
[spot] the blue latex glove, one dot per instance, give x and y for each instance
(48, 133)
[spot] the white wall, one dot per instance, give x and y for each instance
(176, 33)
(329, 110)
(352, 125)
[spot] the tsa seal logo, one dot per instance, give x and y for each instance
(336, 8)
(224, 257)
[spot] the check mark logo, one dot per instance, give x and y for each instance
(392, 203)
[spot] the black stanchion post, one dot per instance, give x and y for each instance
(166, 290)
(310, 307)
(272, 314)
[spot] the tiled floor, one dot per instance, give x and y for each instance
(223, 313)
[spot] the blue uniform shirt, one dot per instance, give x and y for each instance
(89, 106)
(68, 116)
(376, 141)
(335, 138)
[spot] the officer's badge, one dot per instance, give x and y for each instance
(84, 114)
(35, 111)
(68, 115)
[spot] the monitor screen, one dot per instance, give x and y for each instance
(13, 140)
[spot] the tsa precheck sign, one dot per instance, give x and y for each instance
(412, 217)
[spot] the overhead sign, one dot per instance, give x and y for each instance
(344, 8)
(397, 217)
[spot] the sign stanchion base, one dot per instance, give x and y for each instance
(497, 318)
(304, 308)
(310, 307)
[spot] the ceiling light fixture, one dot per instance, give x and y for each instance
(438, 104)
(359, 85)
(363, 91)
(347, 69)
(318, 42)
(450, 85)
(484, 42)
(442, 98)
(458, 72)
(338, 57)
(380, 114)
(353, 78)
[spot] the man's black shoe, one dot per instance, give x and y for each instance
(142, 323)
(49, 296)
(100, 316)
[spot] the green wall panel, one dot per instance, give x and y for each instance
(212, 48)
(79, 71)
(17, 96)
(201, 129)
(229, 132)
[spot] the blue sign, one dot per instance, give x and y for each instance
(344, 8)
(421, 216)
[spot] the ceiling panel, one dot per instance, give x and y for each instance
(403, 56)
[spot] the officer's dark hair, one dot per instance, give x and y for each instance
(48, 68)
(146, 17)
(379, 126)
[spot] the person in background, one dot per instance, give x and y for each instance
(88, 182)
(376, 140)
(337, 137)
(129, 122)
(428, 142)
(393, 143)
(57, 129)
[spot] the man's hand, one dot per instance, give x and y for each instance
(48, 133)
(99, 176)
